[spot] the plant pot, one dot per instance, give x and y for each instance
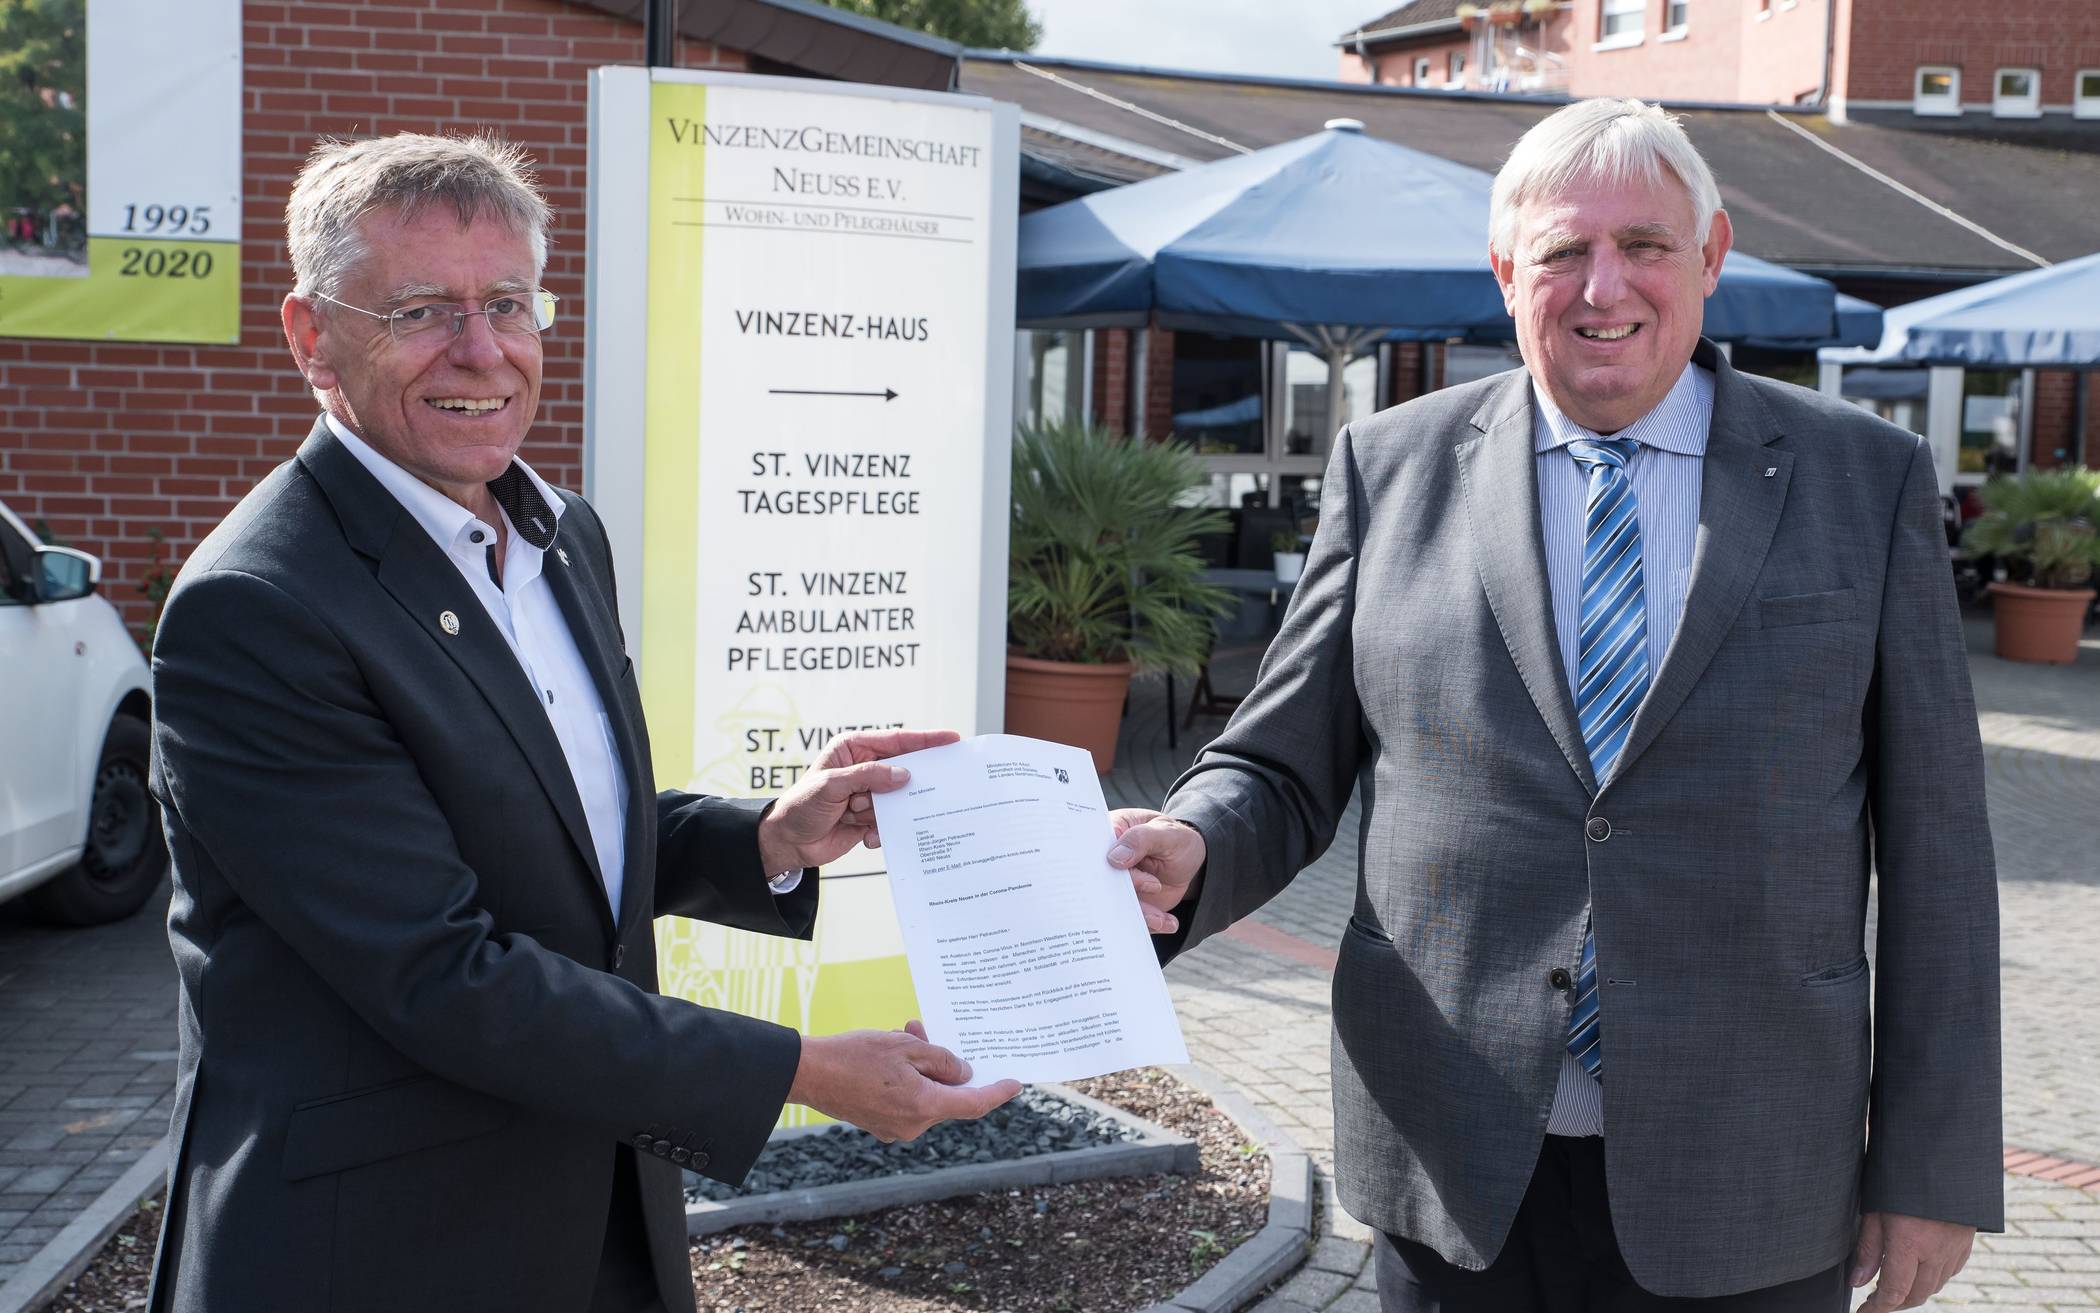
(2039, 624)
(1289, 565)
(1071, 702)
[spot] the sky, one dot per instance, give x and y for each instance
(1280, 38)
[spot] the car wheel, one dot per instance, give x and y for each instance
(126, 852)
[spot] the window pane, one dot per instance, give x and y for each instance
(2089, 86)
(1464, 364)
(1217, 393)
(1677, 14)
(1308, 429)
(1990, 421)
(1935, 84)
(2016, 86)
(1458, 65)
(1054, 380)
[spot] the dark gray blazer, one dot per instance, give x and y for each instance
(414, 1035)
(1811, 720)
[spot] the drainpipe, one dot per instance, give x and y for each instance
(1830, 23)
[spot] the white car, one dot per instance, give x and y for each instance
(80, 837)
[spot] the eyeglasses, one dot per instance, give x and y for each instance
(529, 313)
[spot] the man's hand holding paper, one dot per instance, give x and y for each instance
(1027, 948)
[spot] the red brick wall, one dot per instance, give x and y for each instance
(1159, 384)
(1889, 39)
(2055, 418)
(1394, 64)
(1112, 378)
(108, 442)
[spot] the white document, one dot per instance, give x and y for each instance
(1028, 950)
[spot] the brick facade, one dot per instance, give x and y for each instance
(2055, 420)
(1889, 39)
(108, 444)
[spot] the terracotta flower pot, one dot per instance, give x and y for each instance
(1068, 702)
(2039, 624)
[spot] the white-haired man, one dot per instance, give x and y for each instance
(417, 849)
(1639, 665)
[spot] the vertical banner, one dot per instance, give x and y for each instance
(799, 418)
(120, 171)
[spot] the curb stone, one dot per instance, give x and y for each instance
(1156, 1149)
(1278, 1247)
(67, 1254)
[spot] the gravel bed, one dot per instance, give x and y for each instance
(1087, 1247)
(1033, 1122)
(1109, 1246)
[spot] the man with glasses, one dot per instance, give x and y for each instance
(417, 850)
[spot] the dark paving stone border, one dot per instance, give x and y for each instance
(1155, 1149)
(67, 1254)
(1279, 1247)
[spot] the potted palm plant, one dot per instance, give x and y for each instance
(1104, 579)
(2045, 527)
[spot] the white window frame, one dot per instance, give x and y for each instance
(1422, 66)
(1947, 106)
(1454, 68)
(2085, 106)
(1676, 31)
(1607, 10)
(2028, 106)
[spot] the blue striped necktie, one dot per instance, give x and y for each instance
(1612, 673)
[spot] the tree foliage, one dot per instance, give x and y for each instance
(43, 101)
(986, 23)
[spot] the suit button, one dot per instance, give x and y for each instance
(699, 1161)
(662, 1148)
(1598, 829)
(680, 1156)
(642, 1141)
(1559, 978)
(619, 955)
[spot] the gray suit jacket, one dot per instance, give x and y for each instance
(1811, 720)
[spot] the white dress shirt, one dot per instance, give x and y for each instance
(1666, 473)
(525, 612)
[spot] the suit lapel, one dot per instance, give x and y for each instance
(601, 649)
(1498, 478)
(428, 587)
(1743, 484)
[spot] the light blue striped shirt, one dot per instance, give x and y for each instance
(1666, 474)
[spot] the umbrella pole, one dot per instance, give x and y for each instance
(1337, 358)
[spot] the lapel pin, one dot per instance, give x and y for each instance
(1771, 470)
(561, 556)
(448, 622)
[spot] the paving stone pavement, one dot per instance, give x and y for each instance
(1259, 1014)
(87, 1066)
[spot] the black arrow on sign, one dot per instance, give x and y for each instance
(887, 394)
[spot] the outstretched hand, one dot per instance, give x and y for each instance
(1163, 856)
(831, 808)
(891, 1083)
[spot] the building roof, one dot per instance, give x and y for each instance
(813, 38)
(1792, 201)
(1409, 19)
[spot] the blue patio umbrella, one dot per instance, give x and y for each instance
(1336, 239)
(2042, 319)
(1858, 324)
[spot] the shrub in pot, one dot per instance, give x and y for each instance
(2044, 527)
(1104, 578)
